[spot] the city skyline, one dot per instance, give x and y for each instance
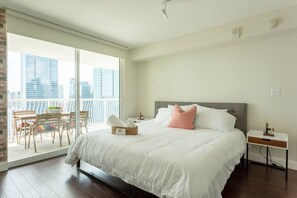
(59, 84)
(99, 109)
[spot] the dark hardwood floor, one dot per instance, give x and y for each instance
(53, 178)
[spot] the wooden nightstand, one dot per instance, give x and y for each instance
(279, 141)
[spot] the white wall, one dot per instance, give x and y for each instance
(208, 66)
(236, 73)
(130, 89)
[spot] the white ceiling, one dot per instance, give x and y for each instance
(134, 23)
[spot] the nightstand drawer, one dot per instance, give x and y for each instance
(268, 142)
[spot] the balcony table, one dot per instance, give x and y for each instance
(24, 118)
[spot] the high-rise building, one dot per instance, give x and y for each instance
(106, 83)
(105, 86)
(72, 88)
(116, 81)
(40, 77)
(85, 90)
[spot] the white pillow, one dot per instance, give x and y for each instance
(217, 119)
(184, 107)
(208, 108)
(163, 116)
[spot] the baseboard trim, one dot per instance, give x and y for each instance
(257, 157)
(37, 158)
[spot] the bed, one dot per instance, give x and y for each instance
(168, 162)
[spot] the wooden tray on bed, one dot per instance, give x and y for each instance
(129, 130)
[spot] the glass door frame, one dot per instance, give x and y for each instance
(77, 105)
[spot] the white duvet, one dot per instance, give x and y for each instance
(167, 162)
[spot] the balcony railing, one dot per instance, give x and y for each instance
(99, 109)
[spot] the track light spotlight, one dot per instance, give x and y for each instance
(164, 10)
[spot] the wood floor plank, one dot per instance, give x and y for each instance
(2, 194)
(260, 182)
(233, 191)
(103, 187)
(63, 169)
(8, 187)
(88, 184)
(67, 176)
(63, 191)
(68, 182)
(25, 188)
(116, 182)
(50, 180)
(42, 188)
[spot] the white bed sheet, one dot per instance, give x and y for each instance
(167, 162)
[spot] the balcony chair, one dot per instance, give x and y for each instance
(20, 126)
(83, 117)
(47, 123)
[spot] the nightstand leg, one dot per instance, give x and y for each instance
(267, 156)
(247, 156)
(286, 164)
(78, 164)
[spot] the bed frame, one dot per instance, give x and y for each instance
(238, 110)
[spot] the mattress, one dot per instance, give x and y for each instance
(167, 162)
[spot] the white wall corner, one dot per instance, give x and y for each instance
(3, 166)
(257, 157)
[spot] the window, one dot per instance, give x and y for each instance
(42, 74)
(99, 86)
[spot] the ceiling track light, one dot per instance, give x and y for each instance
(164, 10)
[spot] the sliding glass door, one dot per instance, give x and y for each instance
(45, 77)
(40, 78)
(99, 88)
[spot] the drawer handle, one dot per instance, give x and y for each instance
(266, 139)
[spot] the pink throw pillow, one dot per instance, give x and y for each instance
(183, 119)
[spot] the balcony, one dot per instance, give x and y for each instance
(99, 111)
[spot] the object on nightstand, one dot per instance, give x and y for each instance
(267, 129)
(141, 117)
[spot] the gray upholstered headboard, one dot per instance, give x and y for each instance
(238, 110)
